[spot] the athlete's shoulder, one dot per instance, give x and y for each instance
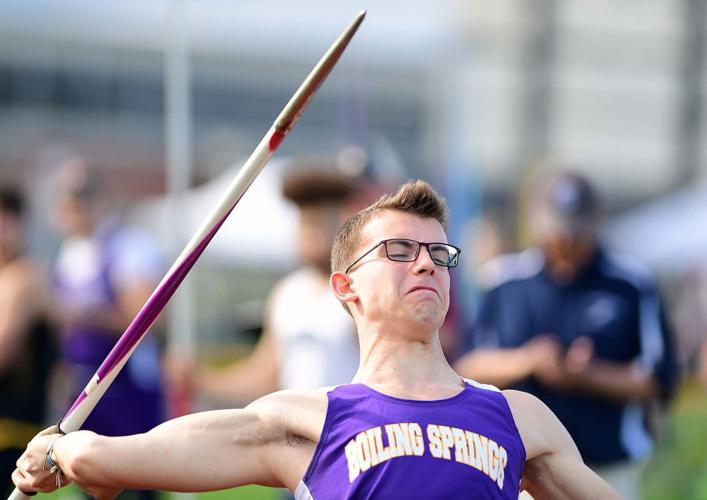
(536, 423)
(296, 412)
(526, 409)
(524, 403)
(293, 397)
(510, 267)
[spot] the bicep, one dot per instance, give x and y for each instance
(541, 431)
(554, 467)
(560, 476)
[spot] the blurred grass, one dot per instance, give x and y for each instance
(678, 470)
(242, 493)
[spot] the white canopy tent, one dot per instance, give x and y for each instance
(670, 234)
(261, 229)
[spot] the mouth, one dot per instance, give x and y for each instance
(423, 289)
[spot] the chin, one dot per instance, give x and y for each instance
(428, 315)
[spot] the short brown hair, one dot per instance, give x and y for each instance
(12, 200)
(414, 197)
(313, 182)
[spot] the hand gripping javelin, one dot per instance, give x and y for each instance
(129, 340)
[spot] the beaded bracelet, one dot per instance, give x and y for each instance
(53, 467)
(48, 456)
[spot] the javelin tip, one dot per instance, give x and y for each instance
(292, 111)
(358, 19)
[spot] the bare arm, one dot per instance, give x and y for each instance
(616, 381)
(500, 367)
(580, 372)
(577, 371)
(20, 297)
(505, 367)
(229, 453)
(243, 380)
(199, 452)
(553, 467)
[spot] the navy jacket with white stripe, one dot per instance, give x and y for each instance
(615, 303)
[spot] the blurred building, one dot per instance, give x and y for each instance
(615, 88)
(618, 89)
(94, 75)
(467, 94)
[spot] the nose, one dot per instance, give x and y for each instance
(424, 263)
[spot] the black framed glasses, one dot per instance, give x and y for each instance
(404, 250)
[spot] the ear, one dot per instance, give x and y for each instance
(340, 284)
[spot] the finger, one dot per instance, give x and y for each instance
(54, 429)
(22, 482)
(24, 463)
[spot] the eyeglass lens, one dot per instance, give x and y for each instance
(408, 250)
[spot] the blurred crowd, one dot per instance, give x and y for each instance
(592, 333)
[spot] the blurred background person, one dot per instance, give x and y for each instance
(103, 273)
(308, 340)
(26, 342)
(580, 328)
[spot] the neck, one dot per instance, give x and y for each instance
(566, 270)
(408, 368)
(8, 254)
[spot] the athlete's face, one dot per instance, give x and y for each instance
(72, 216)
(404, 293)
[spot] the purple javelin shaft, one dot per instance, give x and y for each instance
(148, 313)
(120, 353)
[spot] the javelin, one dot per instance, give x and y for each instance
(126, 344)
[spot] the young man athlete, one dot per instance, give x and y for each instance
(407, 427)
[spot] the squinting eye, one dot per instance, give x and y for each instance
(441, 254)
(398, 253)
(400, 249)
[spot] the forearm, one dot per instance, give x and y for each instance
(246, 379)
(563, 477)
(617, 381)
(185, 454)
(242, 382)
(500, 367)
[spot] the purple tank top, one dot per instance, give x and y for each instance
(378, 446)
